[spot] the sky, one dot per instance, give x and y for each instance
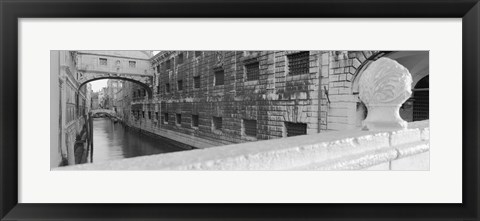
(99, 84)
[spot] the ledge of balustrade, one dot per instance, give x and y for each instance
(338, 150)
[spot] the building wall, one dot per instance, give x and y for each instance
(276, 97)
(72, 106)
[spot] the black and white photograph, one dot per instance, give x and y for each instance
(240, 110)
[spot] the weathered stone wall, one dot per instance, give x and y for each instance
(274, 98)
(339, 71)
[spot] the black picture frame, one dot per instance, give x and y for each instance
(12, 10)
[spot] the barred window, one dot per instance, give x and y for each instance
(180, 85)
(299, 63)
(217, 123)
(250, 127)
(179, 119)
(194, 120)
(180, 58)
(167, 88)
(168, 64)
(219, 76)
(295, 129)
(132, 64)
(165, 118)
(103, 61)
(198, 53)
(196, 82)
(253, 71)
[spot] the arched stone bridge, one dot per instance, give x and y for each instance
(106, 111)
(143, 80)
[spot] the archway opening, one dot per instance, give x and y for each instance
(420, 99)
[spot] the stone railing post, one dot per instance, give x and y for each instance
(384, 86)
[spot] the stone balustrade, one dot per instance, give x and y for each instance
(406, 149)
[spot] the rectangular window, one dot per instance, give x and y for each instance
(165, 118)
(158, 68)
(167, 88)
(196, 82)
(180, 58)
(179, 119)
(156, 116)
(180, 85)
(250, 127)
(219, 76)
(299, 63)
(253, 71)
(198, 53)
(143, 114)
(132, 64)
(103, 61)
(168, 64)
(217, 123)
(194, 120)
(149, 115)
(295, 129)
(158, 89)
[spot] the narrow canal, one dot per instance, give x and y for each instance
(112, 141)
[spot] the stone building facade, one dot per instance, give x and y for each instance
(210, 98)
(72, 105)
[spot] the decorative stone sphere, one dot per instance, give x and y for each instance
(384, 86)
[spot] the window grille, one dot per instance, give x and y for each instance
(295, 129)
(219, 77)
(196, 82)
(198, 53)
(180, 58)
(217, 123)
(253, 71)
(250, 127)
(180, 85)
(179, 119)
(194, 120)
(165, 118)
(299, 63)
(167, 88)
(420, 105)
(103, 61)
(132, 64)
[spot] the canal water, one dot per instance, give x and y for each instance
(112, 141)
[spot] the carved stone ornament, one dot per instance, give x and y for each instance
(219, 56)
(384, 86)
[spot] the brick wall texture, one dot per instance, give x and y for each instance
(288, 87)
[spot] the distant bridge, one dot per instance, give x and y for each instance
(103, 111)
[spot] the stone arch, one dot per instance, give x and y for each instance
(145, 86)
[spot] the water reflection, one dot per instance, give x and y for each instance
(113, 141)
